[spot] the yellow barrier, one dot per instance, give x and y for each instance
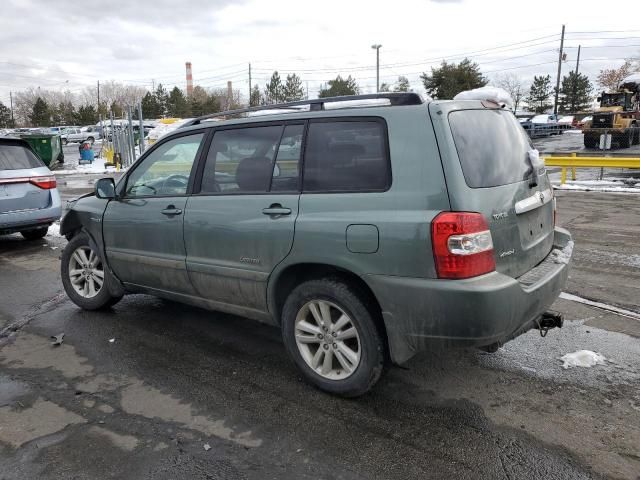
(574, 161)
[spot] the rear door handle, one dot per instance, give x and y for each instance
(276, 209)
(171, 210)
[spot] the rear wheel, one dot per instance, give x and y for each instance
(83, 275)
(65, 141)
(90, 139)
(636, 134)
(35, 234)
(626, 139)
(332, 337)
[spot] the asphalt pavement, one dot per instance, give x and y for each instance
(155, 389)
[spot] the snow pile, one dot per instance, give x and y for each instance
(97, 166)
(491, 94)
(633, 78)
(582, 358)
(163, 128)
(564, 255)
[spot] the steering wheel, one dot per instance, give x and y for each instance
(176, 181)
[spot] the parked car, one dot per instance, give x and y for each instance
(80, 134)
(29, 199)
(582, 122)
(364, 233)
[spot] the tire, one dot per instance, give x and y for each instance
(590, 142)
(626, 139)
(87, 300)
(90, 139)
(65, 141)
(636, 136)
(356, 361)
(35, 234)
(60, 157)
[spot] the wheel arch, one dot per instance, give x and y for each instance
(283, 283)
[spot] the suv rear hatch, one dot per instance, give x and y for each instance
(488, 169)
(24, 180)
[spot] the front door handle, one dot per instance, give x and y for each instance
(171, 210)
(276, 209)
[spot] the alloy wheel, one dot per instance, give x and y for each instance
(327, 339)
(86, 272)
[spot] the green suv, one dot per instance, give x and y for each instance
(367, 228)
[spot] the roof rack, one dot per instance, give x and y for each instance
(317, 104)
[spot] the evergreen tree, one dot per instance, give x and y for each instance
(539, 93)
(402, 85)
(575, 93)
(292, 89)
(5, 116)
(178, 105)
(256, 97)
(66, 113)
(116, 108)
(339, 87)
(384, 87)
(274, 90)
(87, 115)
(150, 106)
(40, 115)
(162, 100)
(446, 81)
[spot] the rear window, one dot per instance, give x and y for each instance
(17, 157)
(346, 156)
(492, 147)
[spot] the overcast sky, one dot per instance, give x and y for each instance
(66, 44)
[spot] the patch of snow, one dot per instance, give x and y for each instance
(633, 78)
(492, 94)
(582, 358)
(602, 306)
(97, 166)
(592, 188)
(54, 230)
(562, 255)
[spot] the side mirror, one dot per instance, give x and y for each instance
(106, 188)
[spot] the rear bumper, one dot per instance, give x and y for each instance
(18, 221)
(420, 314)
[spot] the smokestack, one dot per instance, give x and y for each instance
(189, 79)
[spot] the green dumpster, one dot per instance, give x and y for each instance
(48, 147)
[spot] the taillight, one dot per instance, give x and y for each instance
(45, 183)
(462, 245)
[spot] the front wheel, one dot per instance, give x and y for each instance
(331, 335)
(83, 275)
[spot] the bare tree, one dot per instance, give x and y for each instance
(610, 78)
(513, 85)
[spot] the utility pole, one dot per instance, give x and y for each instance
(575, 83)
(153, 85)
(555, 102)
(307, 97)
(376, 47)
(13, 122)
(98, 96)
(229, 94)
(250, 92)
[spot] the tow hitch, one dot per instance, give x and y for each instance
(547, 321)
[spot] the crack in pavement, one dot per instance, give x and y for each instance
(46, 307)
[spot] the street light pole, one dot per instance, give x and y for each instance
(376, 47)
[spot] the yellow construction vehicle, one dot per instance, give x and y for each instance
(618, 116)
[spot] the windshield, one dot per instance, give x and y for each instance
(613, 100)
(492, 147)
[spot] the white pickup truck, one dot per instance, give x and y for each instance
(75, 134)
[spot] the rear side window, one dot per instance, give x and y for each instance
(492, 147)
(16, 157)
(241, 160)
(349, 156)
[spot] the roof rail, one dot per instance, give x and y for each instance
(317, 104)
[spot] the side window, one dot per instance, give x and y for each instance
(348, 156)
(166, 171)
(285, 172)
(240, 160)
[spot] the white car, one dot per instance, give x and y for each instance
(80, 134)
